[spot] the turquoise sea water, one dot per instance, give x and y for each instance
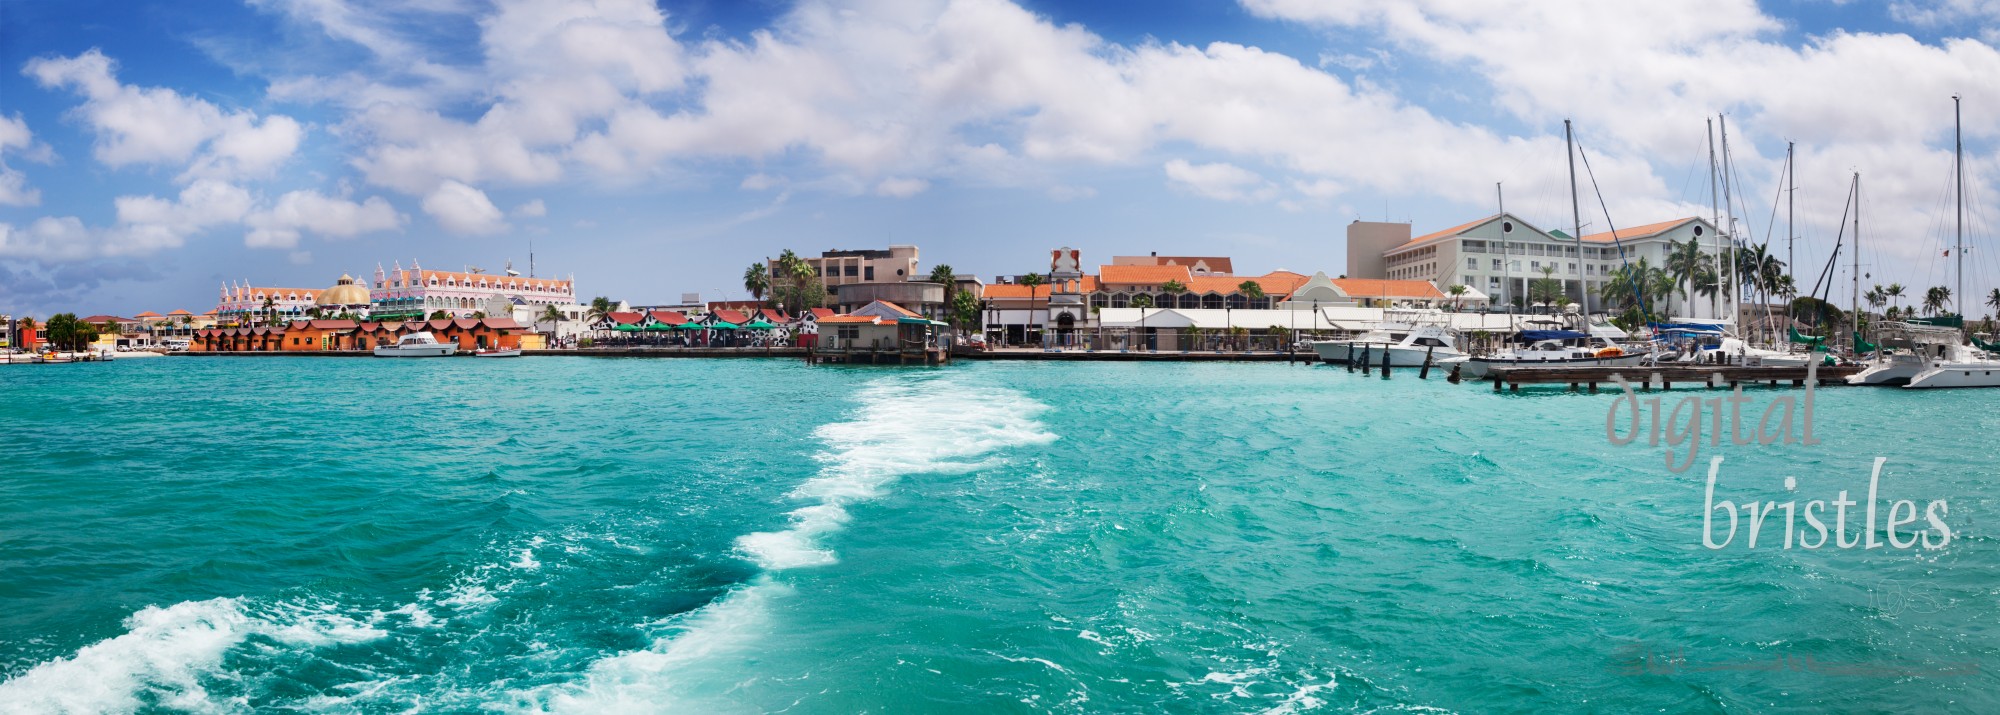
(596, 535)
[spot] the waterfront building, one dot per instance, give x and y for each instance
(246, 304)
(323, 335)
(1502, 255)
(923, 297)
(346, 296)
(417, 292)
(847, 267)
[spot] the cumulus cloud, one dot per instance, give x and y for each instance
(300, 212)
(462, 209)
(155, 125)
(901, 188)
(532, 209)
(17, 140)
(1221, 181)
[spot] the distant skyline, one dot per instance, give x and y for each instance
(149, 154)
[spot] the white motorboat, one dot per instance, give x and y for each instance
(1908, 349)
(1551, 349)
(417, 344)
(497, 352)
(1409, 337)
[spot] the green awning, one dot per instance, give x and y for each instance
(688, 326)
(626, 328)
(759, 324)
(659, 327)
(722, 325)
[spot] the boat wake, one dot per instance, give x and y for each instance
(901, 428)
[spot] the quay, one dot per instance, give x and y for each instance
(1134, 356)
(1645, 378)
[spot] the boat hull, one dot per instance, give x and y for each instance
(1894, 372)
(1974, 374)
(1479, 367)
(409, 351)
(497, 353)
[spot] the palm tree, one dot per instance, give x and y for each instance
(478, 315)
(440, 315)
(27, 325)
(1935, 299)
(550, 314)
(270, 309)
(1546, 289)
(757, 280)
(1142, 302)
(1251, 290)
(1031, 280)
(1895, 293)
(942, 274)
(1684, 263)
(1239, 336)
(1875, 297)
(1457, 293)
(600, 311)
(1992, 300)
(1174, 289)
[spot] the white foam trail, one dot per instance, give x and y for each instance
(900, 429)
(164, 655)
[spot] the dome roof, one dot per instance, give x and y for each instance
(344, 293)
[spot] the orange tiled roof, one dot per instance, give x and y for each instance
(1142, 275)
(622, 317)
(493, 280)
(148, 314)
(669, 317)
(1275, 283)
(730, 316)
(180, 312)
(1015, 290)
(1455, 230)
(1378, 288)
(905, 312)
(1651, 229)
(823, 313)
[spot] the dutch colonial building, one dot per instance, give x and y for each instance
(245, 304)
(418, 293)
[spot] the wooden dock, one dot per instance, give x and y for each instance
(1664, 378)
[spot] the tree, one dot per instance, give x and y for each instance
(27, 325)
(1684, 263)
(1031, 280)
(1992, 300)
(66, 332)
(1142, 302)
(1935, 299)
(1239, 337)
(1251, 290)
(1457, 293)
(599, 313)
(1821, 312)
(478, 315)
(964, 309)
(440, 315)
(941, 274)
(757, 280)
(1875, 297)
(270, 309)
(1174, 289)
(551, 315)
(1546, 289)
(1895, 293)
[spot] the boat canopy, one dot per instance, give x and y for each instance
(1804, 339)
(1536, 336)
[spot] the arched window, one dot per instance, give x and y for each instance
(1212, 301)
(1100, 300)
(1120, 300)
(1236, 301)
(1190, 300)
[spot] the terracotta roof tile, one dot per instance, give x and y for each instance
(1377, 288)
(855, 319)
(1651, 229)
(1142, 275)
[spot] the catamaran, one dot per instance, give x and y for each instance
(1968, 367)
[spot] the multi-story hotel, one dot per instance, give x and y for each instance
(243, 303)
(1501, 255)
(419, 292)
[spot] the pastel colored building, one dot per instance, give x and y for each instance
(419, 293)
(244, 304)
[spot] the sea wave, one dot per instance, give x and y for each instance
(902, 427)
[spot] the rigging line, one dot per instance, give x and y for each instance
(1839, 241)
(1624, 265)
(1772, 225)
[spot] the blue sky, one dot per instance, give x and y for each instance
(149, 153)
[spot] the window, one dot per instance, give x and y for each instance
(849, 332)
(1471, 264)
(851, 271)
(1535, 265)
(1513, 265)
(868, 273)
(1496, 264)
(1572, 269)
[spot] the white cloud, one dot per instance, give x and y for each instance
(205, 203)
(532, 209)
(14, 138)
(901, 188)
(154, 125)
(1063, 192)
(300, 212)
(464, 210)
(1220, 181)
(760, 182)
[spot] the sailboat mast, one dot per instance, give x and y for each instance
(1792, 187)
(1715, 210)
(1506, 269)
(1958, 141)
(1576, 217)
(1728, 229)
(1855, 299)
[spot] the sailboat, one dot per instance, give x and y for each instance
(1970, 368)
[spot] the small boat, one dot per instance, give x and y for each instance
(418, 344)
(1910, 348)
(1552, 349)
(497, 352)
(1409, 338)
(1973, 373)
